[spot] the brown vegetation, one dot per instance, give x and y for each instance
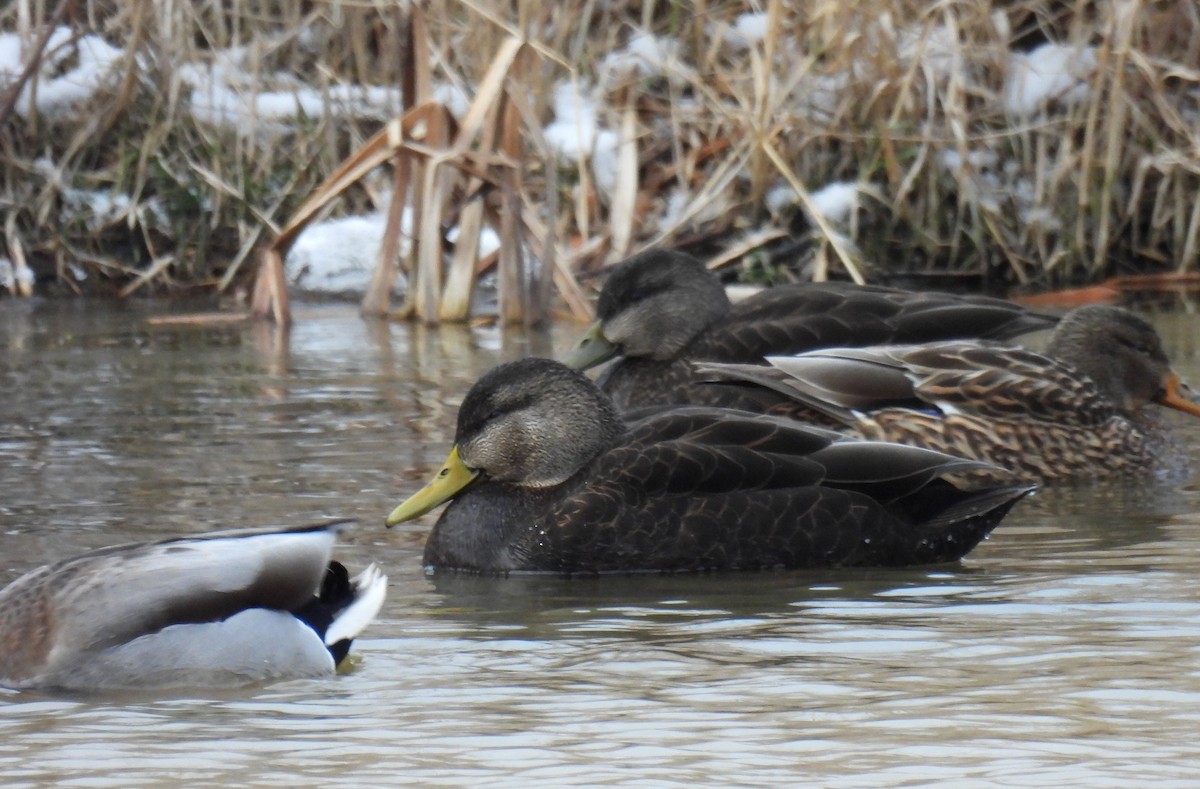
(906, 99)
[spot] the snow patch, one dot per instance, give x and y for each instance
(51, 95)
(338, 255)
(836, 201)
(935, 48)
(645, 55)
(1051, 73)
(746, 31)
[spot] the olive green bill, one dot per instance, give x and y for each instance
(592, 349)
(448, 482)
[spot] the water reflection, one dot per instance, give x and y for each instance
(1064, 650)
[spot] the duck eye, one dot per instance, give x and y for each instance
(1138, 347)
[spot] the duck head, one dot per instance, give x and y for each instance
(1124, 356)
(652, 305)
(532, 423)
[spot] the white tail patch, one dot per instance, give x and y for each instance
(370, 587)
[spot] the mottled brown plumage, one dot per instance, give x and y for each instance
(545, 476)
(1076, 412)
(661, 310)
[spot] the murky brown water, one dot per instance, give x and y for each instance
(1063, 651)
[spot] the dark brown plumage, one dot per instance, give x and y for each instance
(545, 476)
(1076, 412)
(661, 310)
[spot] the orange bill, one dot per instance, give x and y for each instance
(1178, 395)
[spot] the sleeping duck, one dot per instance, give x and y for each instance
(661, 310)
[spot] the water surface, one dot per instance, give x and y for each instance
(1064, 650)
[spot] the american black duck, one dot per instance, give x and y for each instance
(1078, 411)
(661, 310)
(545, 476)
(222, 609)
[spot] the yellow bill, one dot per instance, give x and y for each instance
(452, 479)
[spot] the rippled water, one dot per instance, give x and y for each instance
(1064, 651)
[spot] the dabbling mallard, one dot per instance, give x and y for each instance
(222, 609)
(661, 310)
(545, 476)
(1076, 412)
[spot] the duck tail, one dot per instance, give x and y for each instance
(983, 506)
(344, 606)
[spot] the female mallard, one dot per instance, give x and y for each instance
(546, 477)
(661, 310)
(1074, 412)
(222, 609)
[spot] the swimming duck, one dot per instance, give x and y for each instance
(1076, 412)
(545, 476)
(662, 309)
(222, 609)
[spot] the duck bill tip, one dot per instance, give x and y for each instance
(1178, 395)
(592, 349)
(453, 477)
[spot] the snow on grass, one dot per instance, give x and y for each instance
(226, 90)
(14, 277)
(338, 255)
(644, 55)
(576, 126)
(936, 48)
(746, 31)
(1052, 73)
(489, 240)
(835, 201)
(93, 68)
(222, 95)
(977, 159)
(99, 208)
(998, 185)
(819, 96)
(575, 133)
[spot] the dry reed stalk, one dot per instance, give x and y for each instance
(829, 235)
(152, 271)
(745, 246)
(835, 91)
(561, 265)
(625, 189)
(415, 89)
(455, 302)
(432, 181)
(199, 319)
(22, 276)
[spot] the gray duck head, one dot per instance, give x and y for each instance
(1123, 355)
(652, 306)
(532, 423)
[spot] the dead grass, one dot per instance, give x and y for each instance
(904, 97)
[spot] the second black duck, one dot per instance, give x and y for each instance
(661, 310)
